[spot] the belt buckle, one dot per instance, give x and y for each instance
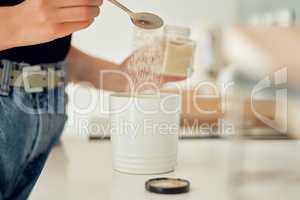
(29, 71)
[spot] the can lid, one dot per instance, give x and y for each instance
(167, 186)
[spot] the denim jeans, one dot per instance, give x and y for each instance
(30, 124)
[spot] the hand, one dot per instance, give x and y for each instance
(163, 78)
(39, 21)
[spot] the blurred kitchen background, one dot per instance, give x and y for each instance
(256, 36)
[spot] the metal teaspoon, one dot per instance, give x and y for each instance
(143, 20)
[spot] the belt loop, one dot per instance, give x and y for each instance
(7, 68)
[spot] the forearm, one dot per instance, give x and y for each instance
(7, 30)
(101, 74)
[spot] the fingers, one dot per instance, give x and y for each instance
(47, 20)
(75, 10)
(77, 14)
(76, 3)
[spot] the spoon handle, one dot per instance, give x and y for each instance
(118, 4)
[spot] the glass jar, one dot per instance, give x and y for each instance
(179, 51)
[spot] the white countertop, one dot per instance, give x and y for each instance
(80, 169)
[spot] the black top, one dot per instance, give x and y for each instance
(37, 54)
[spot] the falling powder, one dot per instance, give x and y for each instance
(146, 63)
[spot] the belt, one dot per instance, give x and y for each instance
(33, 79)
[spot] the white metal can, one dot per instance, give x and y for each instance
(144, 132)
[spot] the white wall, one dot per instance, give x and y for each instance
(110, 36)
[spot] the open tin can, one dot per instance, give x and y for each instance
(144, 132)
